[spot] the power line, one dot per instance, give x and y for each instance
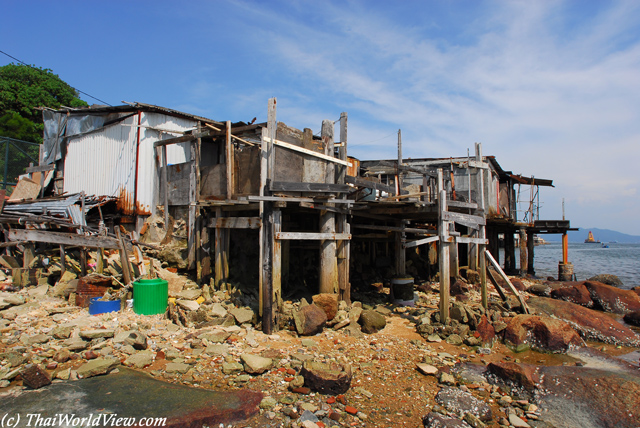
(75, 89)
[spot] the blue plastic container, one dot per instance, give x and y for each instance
(103, 306)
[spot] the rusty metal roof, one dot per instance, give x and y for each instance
(532, 181)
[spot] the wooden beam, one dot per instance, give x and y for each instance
(283, 186)
(419, 242)
(310, 152)
(41, 168)
(471, 240)
(62, 238)
(482, 232)
(467, 220)
(361, 182)
(312, 236)
(165, 181)
(235, 222)
(297, 199)
(237, 129)
(124, 258)
(497, 267)
(443, 231)
(182, 139)
(323, 207)
(229, 161)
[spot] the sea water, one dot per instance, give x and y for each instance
(622, 260)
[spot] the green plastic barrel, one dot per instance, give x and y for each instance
(150, 296)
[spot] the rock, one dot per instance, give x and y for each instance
(189, 305)
(454, 339)
(75, 344)
(91, 286)
(592, 325)
(457, 401)
(62, 331)
(575, 293)
(97, 367)
(517, 422)
(217, 310)
(35, 376)
(189, 294)
(326, 378)
(215, 336)
(436, 420)
(140, 360)
(474, 421)
(355, 312)
(612, 299)
(309, 320)
(268, 403)
(174, 367)
(523, 375)
(607, 279)
(67, 284)
(231, 367)
(542, 333)
(447, 379)
(255, 364)
(136, 339)
(95, 334)
(518, 284)
(460, 287)
(12, 299)
(242, 315)
(434, 338)
(174, 255)
(632, 318)
(427, 369)
(62, 356)
(217, 350)
(543, 290)
(372, 321)
(328, 302)
(486, 332)
(35, 339)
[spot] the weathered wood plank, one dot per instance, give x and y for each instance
(419, 242)
(296, 199)
(361, 182)
(313, 236)
(235, 222)
(471, 240)
(41, 168)
(310, 152)
(468, 220)
(282, 186)
(182, 139)
(62, 238)
(460, 204)
(497, 267)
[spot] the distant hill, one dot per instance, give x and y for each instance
(602, 235)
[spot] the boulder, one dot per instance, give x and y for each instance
(607, 279)
(523, 375)
(592, 325)
(486, 332)
(326, 378)
(632, 318)
(437, 420)
(612, 299)
(309, 320)
(372, 321)
(542, 333)
(575, 293)
(255, 364)
(457, 401)
(328, 302)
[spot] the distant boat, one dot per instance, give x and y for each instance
(605, 246)
(590, 239)
(538, 240)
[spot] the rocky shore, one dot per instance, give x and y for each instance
(572, 362)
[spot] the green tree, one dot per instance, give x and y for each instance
(22, 90)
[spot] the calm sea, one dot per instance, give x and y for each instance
(622, 260)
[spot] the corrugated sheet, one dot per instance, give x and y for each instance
(147, 166)
(103, 163)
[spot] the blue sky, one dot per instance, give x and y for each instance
(551, 88)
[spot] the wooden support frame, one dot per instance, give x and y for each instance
(235, 222)
(443, 230)
(497, 267)
(62, 238)
(412, 244)
(326, 157)
(312, 236)
(328, 248)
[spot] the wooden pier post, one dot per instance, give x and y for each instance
(328, 254)
(443, 231)
(482, 268)
(344, 246)
(530, 253)
(524, 259)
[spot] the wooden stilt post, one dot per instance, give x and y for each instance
(565, 248)
(277, 261)
(328, 248)
(524, 259)
(401, 260)
(530, 253)
(443, 231)
(63, 265)
(482, 232)
(342, 226)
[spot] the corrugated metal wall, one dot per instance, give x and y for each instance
(103, 163)
(147, 167)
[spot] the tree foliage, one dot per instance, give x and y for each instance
(22, 90)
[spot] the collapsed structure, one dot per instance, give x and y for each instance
(265, 196)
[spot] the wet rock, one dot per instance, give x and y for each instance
(612, 299)
(632, 318)
(326, 378)
(541, 289)
(372, 321)
(523, 375)
(35, 376)
(591, 325)
(607, 279)
(543, 333)
(486, 332)
(518, 284)
(574, 293)
(328, 302)
(136, 339)
(457, 401)
(437, 420)
(255, 364)
(97, 367)
(242, 315)
(309, 320)
(95, 334)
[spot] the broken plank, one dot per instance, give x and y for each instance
(235, 222)
(41, 168)
(311, 236)
(309, 152)
(283, 186)
(468, 220)
(495, 264)
(460, 204)
(62, 238)
(470, 240)
(361, 182)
